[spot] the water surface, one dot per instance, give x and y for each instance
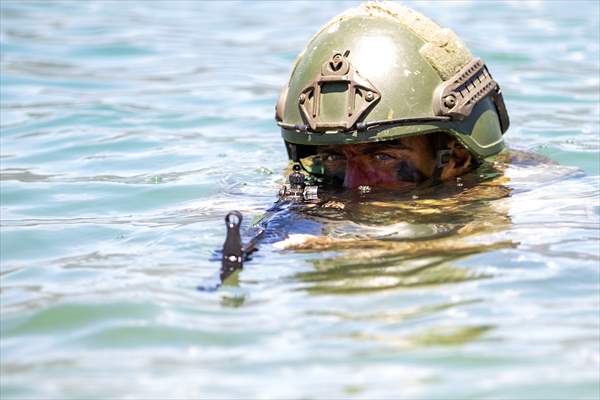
(128, 131)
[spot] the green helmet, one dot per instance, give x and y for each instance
(381, 72)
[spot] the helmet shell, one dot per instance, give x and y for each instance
(391, 56)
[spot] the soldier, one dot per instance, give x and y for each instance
(383, 96)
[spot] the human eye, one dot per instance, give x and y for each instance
(332, 157)
(383, 157)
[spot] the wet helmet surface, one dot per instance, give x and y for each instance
(382, 71)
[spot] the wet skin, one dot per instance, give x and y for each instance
(399, 164)
(402, 163)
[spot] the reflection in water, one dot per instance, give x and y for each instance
(397, 316)
(436, 335)
(383, 240)
(440, 336)
(389, 241)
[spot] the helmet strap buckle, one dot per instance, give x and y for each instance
(442, 158)
(442, 155)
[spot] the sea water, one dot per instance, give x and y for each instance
(128, 131)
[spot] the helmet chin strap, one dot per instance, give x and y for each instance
(442, 156)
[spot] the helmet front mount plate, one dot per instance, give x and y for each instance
(337, 77)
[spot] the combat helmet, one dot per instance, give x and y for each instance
(382, 71)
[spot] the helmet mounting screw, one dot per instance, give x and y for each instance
(369, 96)
(336, 62)
(302, 98)
(450, 101)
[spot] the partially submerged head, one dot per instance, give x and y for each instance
(383, 96)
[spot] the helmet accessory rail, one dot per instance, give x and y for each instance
(337, 75)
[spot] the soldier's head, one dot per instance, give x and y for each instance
(383, 96)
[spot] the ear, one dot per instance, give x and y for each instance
(460, 160)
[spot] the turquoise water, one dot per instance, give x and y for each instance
(129, 129)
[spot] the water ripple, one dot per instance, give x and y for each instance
(128, 132)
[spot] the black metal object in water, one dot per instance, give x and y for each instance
(233, 252)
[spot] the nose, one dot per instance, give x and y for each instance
(356, 174)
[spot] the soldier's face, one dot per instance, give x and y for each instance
(399, 164)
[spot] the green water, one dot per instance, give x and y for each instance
(128, 131)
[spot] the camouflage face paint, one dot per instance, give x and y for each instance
(407, 172)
